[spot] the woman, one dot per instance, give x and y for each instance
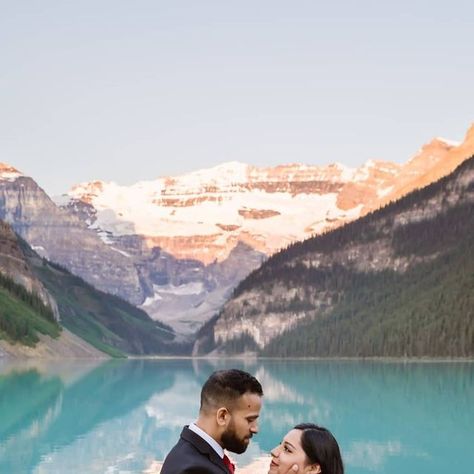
(308, 449)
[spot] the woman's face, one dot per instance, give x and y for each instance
(289, 457)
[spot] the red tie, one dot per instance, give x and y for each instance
(229, 464)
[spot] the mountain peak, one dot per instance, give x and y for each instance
(88, 187)
(87, 191)
(438, 142)
(446, 141)
(230, 166)
(470, 134)
(229, 171)
(7, 172)
(434, 147)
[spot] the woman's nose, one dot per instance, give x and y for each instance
(275, 451)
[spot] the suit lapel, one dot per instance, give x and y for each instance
(204, 448)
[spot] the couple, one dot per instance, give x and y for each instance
(228, 418)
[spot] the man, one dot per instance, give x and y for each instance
(230, 406)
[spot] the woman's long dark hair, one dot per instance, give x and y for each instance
(321, 448)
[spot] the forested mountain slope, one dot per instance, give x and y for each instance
(105, 321)
(178, 246)
(26, 307)
(40, 298)
(398, 282)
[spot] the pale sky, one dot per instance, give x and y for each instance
(126, 91)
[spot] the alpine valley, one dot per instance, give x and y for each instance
(191, 239)
(178, 247)
(45, 311)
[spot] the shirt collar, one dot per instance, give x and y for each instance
(211, 441)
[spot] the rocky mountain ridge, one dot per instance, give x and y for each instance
(204, 214)
(396, 282)
(177, 246)
(14, 265)
(46, 311)
(62, 237)
(201, 217)
(127, 267)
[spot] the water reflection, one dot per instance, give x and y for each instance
(43, 414)
(121, 416)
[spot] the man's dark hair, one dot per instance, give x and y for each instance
(224, 387)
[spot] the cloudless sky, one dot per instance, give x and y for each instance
(125, 91)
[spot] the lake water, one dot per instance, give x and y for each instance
(124, 416)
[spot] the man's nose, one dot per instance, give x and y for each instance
(254, 428)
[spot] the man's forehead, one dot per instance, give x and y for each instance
(249, 402)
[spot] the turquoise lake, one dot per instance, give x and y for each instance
(124, 416)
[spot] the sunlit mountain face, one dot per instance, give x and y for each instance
(178, 246)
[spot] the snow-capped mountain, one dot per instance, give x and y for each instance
(177, 246)
(63, 238)
(396, 283)
(204, 214)
(184, 292)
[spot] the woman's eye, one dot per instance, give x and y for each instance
(286, 449)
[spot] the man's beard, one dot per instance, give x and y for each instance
(232, 443)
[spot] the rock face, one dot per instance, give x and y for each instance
(14, 265)
(179, 231)
(177, 246)
(185, 293)
(125, 265)
(92, 322)
(203, 215)
(424, 239)
(63, 238)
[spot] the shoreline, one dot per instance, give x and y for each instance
(322, 359)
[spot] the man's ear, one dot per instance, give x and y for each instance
(222, 416)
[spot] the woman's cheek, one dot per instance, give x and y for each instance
(286, 463)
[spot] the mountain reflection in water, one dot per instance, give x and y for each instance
(125, 415)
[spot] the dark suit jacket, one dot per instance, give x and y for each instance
(193, 455)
